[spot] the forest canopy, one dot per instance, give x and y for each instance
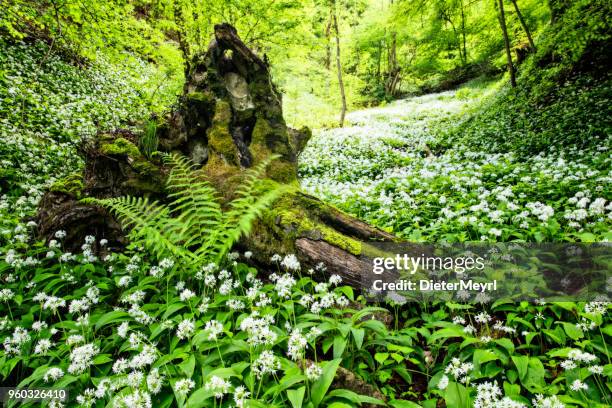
(388, 47)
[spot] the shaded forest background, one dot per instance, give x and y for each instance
(378, 49)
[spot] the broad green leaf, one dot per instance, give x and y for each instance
(456, 395)
(320, 387)
(296, 397)
(522, 365)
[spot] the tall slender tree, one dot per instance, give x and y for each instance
(181, 29)
(524, 24)
(502, 23)
(334, 15)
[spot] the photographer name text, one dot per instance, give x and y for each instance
(425, 285)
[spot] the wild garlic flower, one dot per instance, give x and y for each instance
(155, 381)
(546, 402)
(284, 285)
(296, 344)
(214, 329)
(460, 371)
(240, 396)
(290, 263)
(185, 329)
(578, 385)
(53, 374)
(81, 358)
(443, 383)
(183, 386)
(313, 371)
(137, 399)
(266, 363)
(186, 295)
(218, 386)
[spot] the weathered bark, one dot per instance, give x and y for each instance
(229, 119)
(502, 23)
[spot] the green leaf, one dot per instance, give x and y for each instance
(339, 405)
(354, 397)
(102, 359)
(339, 346)
(320, 387)
(188, 366)
(556, 335)
(446, 334)
(296, 397)
(483, 356)
(381, 357)
(112, 317)
(534, 380)
(506, 343)
(199, 397)
(522, 365)
(572, 331)
(455, 395)
(358, 335)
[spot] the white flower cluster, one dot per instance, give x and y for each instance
(460, 371)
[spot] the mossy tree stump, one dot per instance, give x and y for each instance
(228, 119)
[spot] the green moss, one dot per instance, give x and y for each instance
(339, 240)
(145, 185)
(202, 97)
(289, 216)
(219, 137)
(122, 146)
(260, 130)
(144, 167)
(71, 184)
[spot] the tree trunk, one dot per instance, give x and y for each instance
(339, 68)
(393, 74)
(327, 61)
(463, 33)
(228, 119)
(524, 24)
(179, 20)
(502, 23)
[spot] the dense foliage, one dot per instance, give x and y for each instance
(381, 169)
(166, 323)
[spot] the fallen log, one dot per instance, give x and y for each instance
(228, 120)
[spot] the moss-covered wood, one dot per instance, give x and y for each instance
(229, 119)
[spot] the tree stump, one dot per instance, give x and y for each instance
(228, 119)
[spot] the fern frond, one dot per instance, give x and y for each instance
(252, 176)
(194, 218)
(148, 222)
(239, 219)
(194, 199)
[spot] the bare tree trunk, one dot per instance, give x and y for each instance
(327, 62)
(393, 73)
(179, 20)
(463, 33)
(228, 119)
(339, 66)
(524, 24)
(502, 23)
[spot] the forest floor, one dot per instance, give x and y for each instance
(381, 168)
